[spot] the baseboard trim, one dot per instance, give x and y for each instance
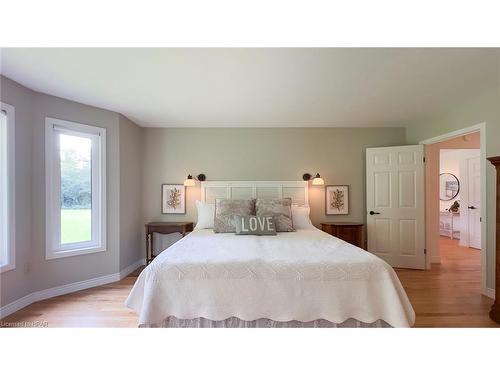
(489, 292)
(68, 288)
(128, 270)
(16, 305)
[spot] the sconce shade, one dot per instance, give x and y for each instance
(189, 181)
(318, 180)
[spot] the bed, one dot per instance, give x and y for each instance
(305, 278)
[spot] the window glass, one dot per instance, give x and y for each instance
(76, 188)
(4, 244)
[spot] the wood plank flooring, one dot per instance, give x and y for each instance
(448, 295)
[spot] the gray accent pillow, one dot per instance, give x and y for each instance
(227, 209)
(279, 209)
(258, 225)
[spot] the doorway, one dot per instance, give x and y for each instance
(455, 187)
(460, 191)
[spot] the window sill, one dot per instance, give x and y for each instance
(7, 267)
(75, 252)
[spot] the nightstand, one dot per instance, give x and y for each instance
(349, 232)
(164, 227)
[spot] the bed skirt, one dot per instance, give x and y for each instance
(233, 322)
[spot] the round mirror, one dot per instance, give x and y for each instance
(448, 186)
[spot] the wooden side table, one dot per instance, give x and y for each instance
(347, 231)
(447, 224)
(164, 227)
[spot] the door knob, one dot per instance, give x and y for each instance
(374, 213)
(471, 208)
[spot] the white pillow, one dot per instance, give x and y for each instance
(206, 213)
(300, 217)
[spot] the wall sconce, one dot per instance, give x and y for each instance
(317, 180)
(190, 181)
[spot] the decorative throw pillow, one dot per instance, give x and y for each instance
(300, 217)
(206, 212)
(258, 225)
(227, 209)
(279, 209)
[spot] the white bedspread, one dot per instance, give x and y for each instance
(304, 275)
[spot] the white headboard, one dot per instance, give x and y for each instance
(297, 190)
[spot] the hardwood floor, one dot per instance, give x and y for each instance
(448, 295)
(102, 306)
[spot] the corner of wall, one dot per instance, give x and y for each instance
(34, 274)
(131, 181)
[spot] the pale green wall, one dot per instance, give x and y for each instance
(261, 154)
(485, 108)
(131, 220)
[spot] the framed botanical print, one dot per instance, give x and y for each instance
(336, 199)
(173, 199)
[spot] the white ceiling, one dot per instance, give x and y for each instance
(276, 87)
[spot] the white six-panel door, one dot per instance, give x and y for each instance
(474, 202)
(396, 205)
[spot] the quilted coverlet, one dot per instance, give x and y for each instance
(295, 276)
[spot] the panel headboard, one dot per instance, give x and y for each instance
(297, 190)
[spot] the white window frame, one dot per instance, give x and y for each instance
(10, 189)
(54, 249)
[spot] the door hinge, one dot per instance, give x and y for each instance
(424, 159)
(425, 251)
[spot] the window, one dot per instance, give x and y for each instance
(7, 219)
(75, 188)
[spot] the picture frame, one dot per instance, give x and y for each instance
(173, 199)
(336, 199)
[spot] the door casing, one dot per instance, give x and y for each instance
(481, 128)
